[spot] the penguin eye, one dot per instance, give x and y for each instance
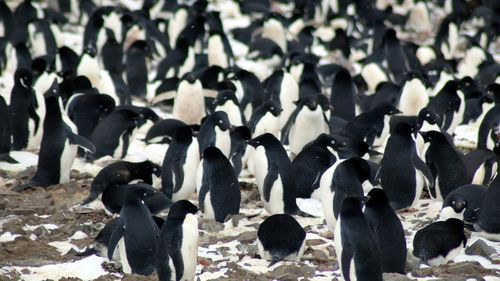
(427, 115)
(332, 142)
(453, 202)
(272, 107)
(145, 194)
(220, 122)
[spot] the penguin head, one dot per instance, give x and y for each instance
(385, 108)
(262, 140)
(106, 103)
(274, 107)
(330, 141)
(81, 83)
(456, 201)
(451, 86)
(404, 128)
(241, 133)
(190, 77)
(183, 134)
(224, 96)
(38, 66)
(24, 77)
(152, 168)
(360, 167)
(221, 120)
(376, 198)
(180, 209)
(324, 102)
(139, 191)
(213, 153)
(311, 101)
(432, 136)
(427, 114)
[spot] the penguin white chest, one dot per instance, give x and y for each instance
(189, 168)
(275, 205)
(380, 140)
(308, 125)
(223, 141)
(189, 248)
(233, 112)
(260, 161)
(267, 124)
(216, 54)
(67, 158)
(189, 103)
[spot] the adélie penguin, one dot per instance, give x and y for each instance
(280, 237)
(463, 203)
(440, 241)
(177, 246)
(274, 176)
(136, 234)
(214, 131)
(219, 193)
(389, 231)
(5, 133)
(358, 253)
(59, 144)
(403, 173)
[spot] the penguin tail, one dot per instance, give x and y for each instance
(88, 252)
(6, 158)
(275, 259)
(92, 196)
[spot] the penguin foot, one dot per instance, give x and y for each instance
(23, 187)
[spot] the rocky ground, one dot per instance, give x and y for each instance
(41, 232)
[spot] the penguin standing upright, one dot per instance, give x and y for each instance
(215, 132)
(389, 231)
(343, 95)
(358, 253)
(177, 246)
(135, 234)
(189, 103)
(180, 164)
(440, 241)
(226, 101)
(59, 143)
(305, 123)
(266, 119)
(219, 193)
(5, 133)
(343, 179)
(414, 96)
(273, 173)
(281, 86)
(274, 246)
(446, 164)
(24, 121)
(136, 68)
(239, 137)
(89, 65)
(402, 173)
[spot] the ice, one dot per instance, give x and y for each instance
(8, 237)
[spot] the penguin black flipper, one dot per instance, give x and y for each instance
(347, 256)
(178, 173)
(271, 177)
(176, 256)
(166, 181)
(286, 129)
(422, 168)
(205, 187)
(6, 158)
(115, 238)
(126, 142)
(81, 141)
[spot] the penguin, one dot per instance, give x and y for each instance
(266, 119)
(112, 54)
(306, 122)
(239, 137)
(371, 126)
(481, 165)
(281, 86)
(403, 173)
(114, 196)
(449, 174)
(219, 50)
(354, 242)
(342, 97)
(273, 173)
(487, 224)
(163, 131)
(414, 95)
(68, 60)
(487, 133)
(87, 110)
(343, 179)
(5, 133)
(215, 131)
(275, 247)
(120, 173)
(440, 241)
(180, 165)
(395, 55)
(464, 203)
(177, 246)
(219, 193)
(24, 120)
(310, 164)
(59, 144)
(226, 101)
(112, 134)
(388, 230)
(189, 103)
(136, 68)
(250, 91)
(178, 62)
(89, 65)
(136, 234)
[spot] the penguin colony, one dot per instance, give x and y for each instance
(353, 103)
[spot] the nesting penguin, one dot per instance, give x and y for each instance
(274, 246)
(177, 246)
(219, 193)
(440, 241)
(463, 203)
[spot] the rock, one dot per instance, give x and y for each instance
(412, 262)
(235, 219)
(292, 272)
(480, 248)
(211, 226)
(41, 231)
(461, 269)
(247, 236)
(315, 242)
(396, 277)
(319, 256)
